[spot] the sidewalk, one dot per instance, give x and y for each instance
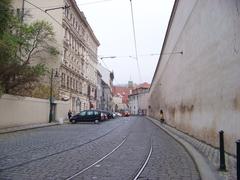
(203, 155)
(21, 128)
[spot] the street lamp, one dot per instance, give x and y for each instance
(51, 113)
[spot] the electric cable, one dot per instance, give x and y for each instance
(44, 12)
(135, 43)
(55, 6)
(59, 23)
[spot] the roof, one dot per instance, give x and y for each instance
(144, 85)
(83, 17)
(105, 74)
(122, 91)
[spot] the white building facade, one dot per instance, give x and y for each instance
(138, 101)
(106, 97)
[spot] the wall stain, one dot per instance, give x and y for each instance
(236, 103)
(171, 112)
(190, 108)
(182, 108)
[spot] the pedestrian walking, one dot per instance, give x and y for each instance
(162, 120)
(69, 114)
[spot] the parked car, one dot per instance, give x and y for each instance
(109, 114)
(125, 113)
(88, 116)
(118, 114)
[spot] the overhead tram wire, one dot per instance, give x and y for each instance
(44, 12)
(135, 43)
(56, 6)
(105, 64)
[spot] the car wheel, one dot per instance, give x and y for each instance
(96, 121)
(73, 121)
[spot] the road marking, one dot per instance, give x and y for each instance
(80, 172)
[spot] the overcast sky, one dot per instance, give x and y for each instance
(111, 22)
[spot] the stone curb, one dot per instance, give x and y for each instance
(205, 170)
(22, 128)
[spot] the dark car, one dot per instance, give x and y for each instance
(88, 116)
(109, 114)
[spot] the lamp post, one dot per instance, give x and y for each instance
(51, 95)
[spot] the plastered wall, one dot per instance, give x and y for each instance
(19, 111)
(199, 90)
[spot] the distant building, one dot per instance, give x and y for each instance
(138, 100)
(98, 90)
(106, 97)
(123, 91)
(119, 106)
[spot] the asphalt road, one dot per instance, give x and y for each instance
(119, 149)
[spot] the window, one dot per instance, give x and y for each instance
(64, 53)
(76, 85)
(80, 88)
(66, 11)
(70, 39)
(67, 81)
(89, 113)
(65, 33)
(71, 80)
(83, 113)
(73, 83)
(96, 113)
(63, 80)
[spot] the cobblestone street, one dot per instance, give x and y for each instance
(115, 149)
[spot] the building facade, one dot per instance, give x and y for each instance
(99, 90)
(122, 91)
(76, 64)
(106, 96)
(79, 67)
(138, 100)
(118, 104)
(196, 82)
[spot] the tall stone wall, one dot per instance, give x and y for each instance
(199, 90)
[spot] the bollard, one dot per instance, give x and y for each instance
(221, 148)
(238, 159)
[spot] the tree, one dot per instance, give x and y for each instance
(23, 49)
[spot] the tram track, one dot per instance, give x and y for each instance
(135, 175)
(145, 162)
(98, 161)
(56, 153)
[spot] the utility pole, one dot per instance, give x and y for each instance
(51, 97)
